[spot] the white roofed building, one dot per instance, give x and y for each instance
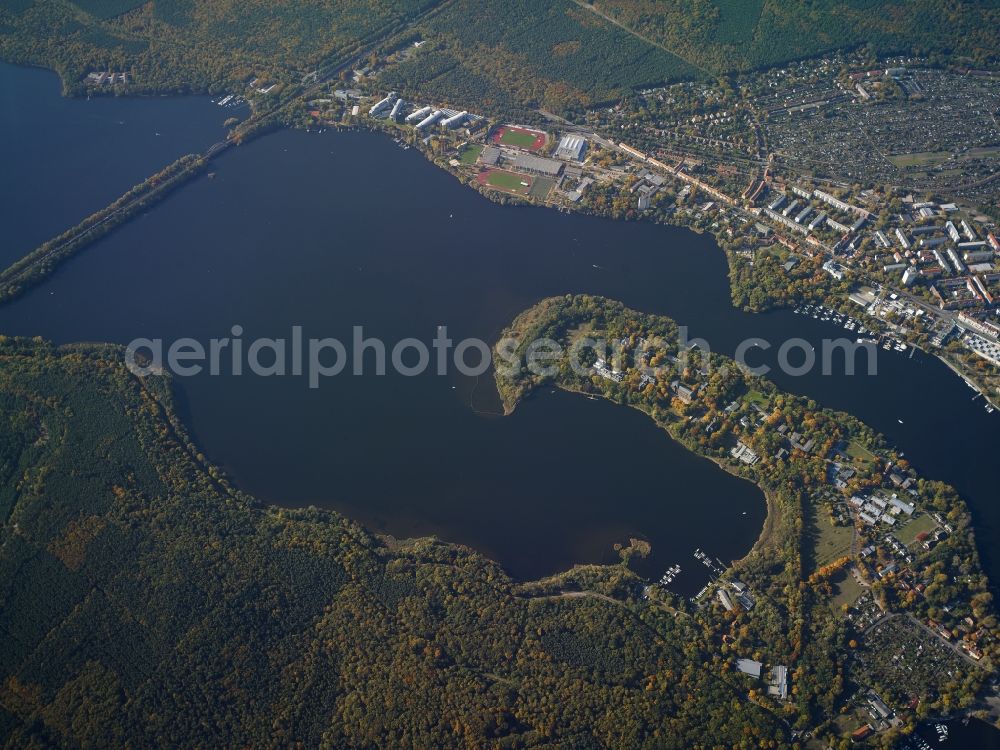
(572, 148)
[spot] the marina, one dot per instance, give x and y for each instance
(670, 575)
(715, 566)
(850, 323)
(887, 342)
(230, 101)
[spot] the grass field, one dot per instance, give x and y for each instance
(508, 182)
(907, 534)
(858, 452)
(846, 590)
(517, 138)
(832, 542)
(540, 187)
(934, 158)
(529, 140)
(921, 159)
(469, 154)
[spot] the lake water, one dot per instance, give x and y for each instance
(336, 230)
(66, 158)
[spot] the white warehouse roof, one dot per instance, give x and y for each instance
(571, 147)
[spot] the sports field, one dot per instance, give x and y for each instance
(529, 140)
(470, 153)
(540, 187)
(507, 182)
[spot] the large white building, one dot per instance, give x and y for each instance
(572, 148)
(455, 120)
(433, 117)
(382, 107)
(418, 115)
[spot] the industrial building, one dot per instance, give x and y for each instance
(571, 148)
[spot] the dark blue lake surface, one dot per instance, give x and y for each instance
(63, 159)
(974, 735)
(336, 230)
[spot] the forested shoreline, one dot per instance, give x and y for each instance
(179, 612)
(716, 409)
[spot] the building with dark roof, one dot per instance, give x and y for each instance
(537, 165)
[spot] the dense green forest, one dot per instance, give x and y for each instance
(195, 45)
(145, 602)
(554, 55)
(178, 611)
(562, 54)
(743, 35)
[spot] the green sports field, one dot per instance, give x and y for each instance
(508, 181)
(518, 139)
(470, 153)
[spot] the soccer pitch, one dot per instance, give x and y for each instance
(517, 138)
(509, 181)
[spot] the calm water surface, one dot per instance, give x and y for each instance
(336, 230)
(66, 158)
